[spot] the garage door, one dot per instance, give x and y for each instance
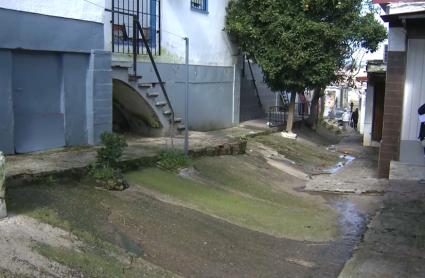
(38, 113)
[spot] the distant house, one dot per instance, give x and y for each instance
(67, 71)
(405, 83)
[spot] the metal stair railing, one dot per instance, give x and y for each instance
(155, 68)
(254, 82)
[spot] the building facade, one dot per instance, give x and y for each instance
(68, 74)
(404, 89)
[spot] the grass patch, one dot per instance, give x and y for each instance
(255, 207)
(172, 160)
(300, 151)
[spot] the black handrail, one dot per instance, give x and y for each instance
(148, 49)
(254, 82)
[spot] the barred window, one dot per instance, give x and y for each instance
(199, 5)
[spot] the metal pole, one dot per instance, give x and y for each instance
(135, 32)
(186, 111)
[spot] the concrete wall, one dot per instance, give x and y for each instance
(411, 150)
(21, 30)
(267, 96)
(209, 44)
(6, 104)
(82, 80)
(213, 95)
(74, 9)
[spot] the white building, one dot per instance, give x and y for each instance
(80, 55)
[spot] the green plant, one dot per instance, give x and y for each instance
(106, 171)
(243, 138)
(109, 155)
(103, 173)
(172, 160)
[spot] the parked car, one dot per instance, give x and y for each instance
(338, 116)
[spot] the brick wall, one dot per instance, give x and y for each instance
(393, 111)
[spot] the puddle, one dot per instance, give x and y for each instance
(347, 159)
(352, 221)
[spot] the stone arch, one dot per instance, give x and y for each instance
(132, 113)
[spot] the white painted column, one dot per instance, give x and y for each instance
(368, 119)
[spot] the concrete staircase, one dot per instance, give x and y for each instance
(152, 95)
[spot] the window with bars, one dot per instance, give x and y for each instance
(199, 5)
(148, 15)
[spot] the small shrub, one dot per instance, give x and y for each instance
(106, 171)
(109, 155)
(172, 160)
(243, 138)
(109, 178)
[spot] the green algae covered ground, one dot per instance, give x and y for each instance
(304, 153)
(84, 211)
(238, 190)
(229, 216)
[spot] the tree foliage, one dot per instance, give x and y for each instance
(301, 44)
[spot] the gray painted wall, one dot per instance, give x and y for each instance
(82, 81)
(267, 96)
(6, 108)
(22, 30)
(99, 95)
(211, 95)
(74, 86)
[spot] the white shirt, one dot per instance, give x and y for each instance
(346, 116)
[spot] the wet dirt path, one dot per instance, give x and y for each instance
(191, 243)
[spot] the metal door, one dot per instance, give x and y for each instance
(38, 113)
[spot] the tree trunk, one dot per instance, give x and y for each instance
(291, 110)
(314, 117)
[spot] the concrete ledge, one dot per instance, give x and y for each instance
(405, 171)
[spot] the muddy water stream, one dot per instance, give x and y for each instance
(355, 212)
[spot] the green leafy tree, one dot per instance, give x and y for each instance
(301, 44)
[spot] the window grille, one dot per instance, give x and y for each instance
(201, 5)
(148, 14)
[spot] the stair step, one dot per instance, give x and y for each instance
(161, 103)
(181, 127)
(132, 77)
(121, 64)
(178, 120)
(152, 94)
(167, 113)
(145, 85)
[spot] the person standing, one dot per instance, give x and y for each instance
(355, 118)
(346, 118)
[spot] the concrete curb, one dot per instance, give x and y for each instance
(127, 164)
